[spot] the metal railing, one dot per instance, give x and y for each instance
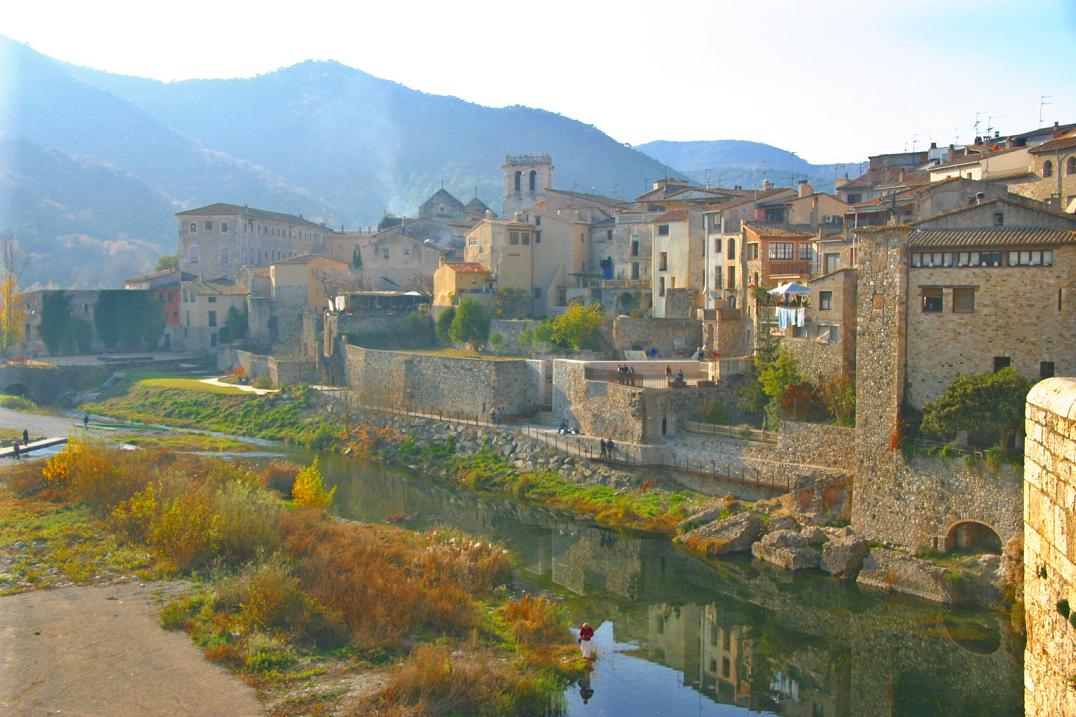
(741, 432)
(638, 380)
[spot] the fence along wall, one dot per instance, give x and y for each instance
(442, 384)
(1050, 548)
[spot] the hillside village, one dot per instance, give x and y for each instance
(797, 342)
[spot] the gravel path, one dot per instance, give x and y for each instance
(38, 424)
(99, 650)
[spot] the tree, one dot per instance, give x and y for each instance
(308, 491)
(12, 309)
(168, 262)
(579, 328)
(444, 325)
(509, 302)
(235, 325)
(984, 404)
(470, 325)
(356, 259)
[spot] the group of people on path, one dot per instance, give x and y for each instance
(625, 374)
(25, 442)
(607, 448)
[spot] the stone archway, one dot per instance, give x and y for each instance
(973, 537)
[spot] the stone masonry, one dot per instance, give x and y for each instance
(1050, 549)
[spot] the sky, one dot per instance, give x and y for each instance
(832, 81)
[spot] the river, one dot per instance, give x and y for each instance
(680, 636)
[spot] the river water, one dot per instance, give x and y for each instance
(680, 636)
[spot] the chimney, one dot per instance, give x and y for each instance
(933, 145)
(805, 189)
(767, 185)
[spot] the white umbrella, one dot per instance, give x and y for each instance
(790, 288)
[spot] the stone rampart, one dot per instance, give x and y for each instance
(817, 360)
(1050, 549)
(817, 444)
(443, 384)
(663, 334)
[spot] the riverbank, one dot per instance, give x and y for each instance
(290, 599)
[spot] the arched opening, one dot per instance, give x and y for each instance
(972, 537)
(625, 303)
(15, 389)
(1071, 164)
(519, 180)
(532, 181)
(1047, 168)
(972, 633)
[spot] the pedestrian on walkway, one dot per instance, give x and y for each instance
(25, 436)
(604, 453)
(16, 450)
(85, 420)
(609, 448)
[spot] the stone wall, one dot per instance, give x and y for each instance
(657, 333)
(1050, 548)
(817, 444)
(253, 364)
(447, 385)
(816, 360)
(511, 330)
(285, 372)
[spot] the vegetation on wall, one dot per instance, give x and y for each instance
(470, 325)
(61, 332)
(510, 302)
(579, 328)
(168, 262)
(235, 325)
(128, 319)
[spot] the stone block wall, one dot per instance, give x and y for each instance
(657, 333)
(285, 372)
(1050, 548)
(511, 329)
(817, 360)
(441, 384)
(254, 364)
(817, 444)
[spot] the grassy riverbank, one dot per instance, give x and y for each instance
(287, 596)
(290, 415)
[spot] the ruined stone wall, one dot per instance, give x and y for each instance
(657, 333)
(253, 364)
(442, 384)
(1050, 548)
(289, 305)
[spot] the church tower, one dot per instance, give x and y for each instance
(526, 177)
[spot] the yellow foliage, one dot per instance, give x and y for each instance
(309, 488)
(59, 466)
(186, 530)
(135, 515)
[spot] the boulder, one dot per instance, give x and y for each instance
(704, 516)
(843, 555)
(784, 522)
(814, 536)
(903, 573)
(789, 558)
(731, 535)
(784, 539)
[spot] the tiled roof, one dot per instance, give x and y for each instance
(222, 208)
(989, 236)
(468, 268)
(307, 258)
(1054, 145)
(596, 198)
(217, 286)
(676, 215)
(973, 158)
(778, 230)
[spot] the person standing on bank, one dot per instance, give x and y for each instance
(586, 634)
(15, 450)
(25, 436)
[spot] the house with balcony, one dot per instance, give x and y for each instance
(678, 264)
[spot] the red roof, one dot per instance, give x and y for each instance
(468, 268)
(675, 215)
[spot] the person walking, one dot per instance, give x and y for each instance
(609, 448)
(604, 453)
(668, 373)
(25, 436)
(586, 634)
(85, 420)
(15, 450)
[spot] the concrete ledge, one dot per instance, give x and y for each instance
(1056, 395)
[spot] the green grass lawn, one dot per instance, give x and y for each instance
(193, 384)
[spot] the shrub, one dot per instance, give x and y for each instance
(838, 395)
(185, 530)
(245, 521)
(470, 325)
(979, 403)
(280, 476)
(263, 381)
(18, 403)
(444, 325)
(309, 488)
(25, 479)
(264, 653)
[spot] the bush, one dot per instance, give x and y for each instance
(714, 412)
(280, 476)
(989, 404)
(263, 381)
(444, 325)
(17, 403)
(470, 324)
(838, 395)
(309, 491)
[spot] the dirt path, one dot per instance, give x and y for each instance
(99, 650)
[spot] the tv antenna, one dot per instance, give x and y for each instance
(978, 123)
(1043, 101)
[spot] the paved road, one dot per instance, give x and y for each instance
(99, 650)
(38, 424)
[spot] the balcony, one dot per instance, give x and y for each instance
(789, 267)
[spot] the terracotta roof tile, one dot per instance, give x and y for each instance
(989, 236)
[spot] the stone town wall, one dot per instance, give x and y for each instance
(1050, 548)
(511, 330)
(253, 364)
(816, 360)
(289, 305)
(447, 385)
(657, 333)
(285, 372)
(817, 444)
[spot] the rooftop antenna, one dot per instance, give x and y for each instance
(956, 135)
(915, 140)
(990, 124)
(706, 178)
(978, 122)
(1043, 101)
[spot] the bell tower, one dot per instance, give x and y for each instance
(526, 177)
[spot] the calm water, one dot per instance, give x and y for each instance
(678, 636)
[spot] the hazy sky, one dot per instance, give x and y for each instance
(833, 81)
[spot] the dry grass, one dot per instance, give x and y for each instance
(539, 627)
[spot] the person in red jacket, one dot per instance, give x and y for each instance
(586, 632)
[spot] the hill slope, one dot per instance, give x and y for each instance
(728, 162)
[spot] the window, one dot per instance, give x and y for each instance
(209, 226)
(999, 219)
(532, 181)
(513, 237)
(537, 221)
(937, 258)
(223, 227)
(732, 277)
(825, 300)
(1046, 369)
(537, 237)
(1001, 362)
(608, 235)
(385, 254)
(782, 250)
(212, 299)
(661, 286)
(663, 230)
(726, 667)
(1070, 166)
(213, 340)
(635, 270)
(963, 301)
(752, 251)
(970, 258)
(518, 182)
(663, 261)
(732, 250)
(1047, 168)
(525, 238)
(193, 228)
(832, 262)
(932, 301)
(635, 246)
(1031, 258)
(224, 255)
(212, 317)
(805, 251)
(717, 245)
(192, 254)
(854, 198)
(537, 292)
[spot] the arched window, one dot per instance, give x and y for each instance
(1047, 168)
(533, 180)
(1071, 164)
(519, 180)
(731, 253)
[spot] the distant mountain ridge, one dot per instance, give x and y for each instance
(728, 162)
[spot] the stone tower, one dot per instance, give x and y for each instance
(526, 177)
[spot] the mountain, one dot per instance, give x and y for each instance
(321, 139)
(728, 162)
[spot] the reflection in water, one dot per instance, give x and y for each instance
(677, 636)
